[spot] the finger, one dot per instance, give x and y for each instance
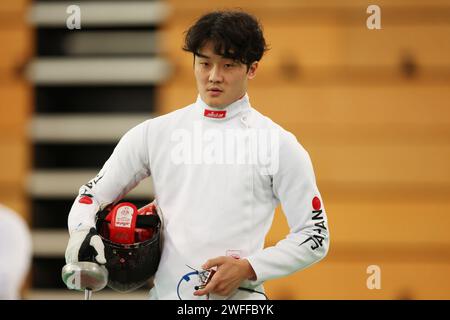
(99, 247)
(200, 292)
(208, 289)
(214, 262)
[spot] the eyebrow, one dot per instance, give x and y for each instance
(198, 54)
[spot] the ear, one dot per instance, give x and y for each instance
(252, 70)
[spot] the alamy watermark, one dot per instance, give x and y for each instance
(374, 280)
(73, 21)
(228, 147)
(374, 20)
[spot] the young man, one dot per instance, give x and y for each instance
(219, 170)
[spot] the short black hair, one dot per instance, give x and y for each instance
(235, 34)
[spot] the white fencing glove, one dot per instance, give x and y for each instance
(85, 245)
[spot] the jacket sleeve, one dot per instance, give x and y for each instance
(294, 186)
(124, 169)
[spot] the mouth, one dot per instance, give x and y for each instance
(214, 91)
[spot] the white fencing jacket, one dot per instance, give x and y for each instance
(15, 253)
(218, 176)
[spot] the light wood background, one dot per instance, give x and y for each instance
(15, 104)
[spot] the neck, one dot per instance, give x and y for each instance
(224, 107)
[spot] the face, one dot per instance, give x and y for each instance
(220, 81)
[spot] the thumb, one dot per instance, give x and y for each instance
(215, 262)
(97, 243)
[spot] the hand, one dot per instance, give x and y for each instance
(228, 277)
(85, 245)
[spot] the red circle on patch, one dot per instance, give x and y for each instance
(85, 200)
(316, 203)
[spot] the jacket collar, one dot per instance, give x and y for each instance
(209, 113)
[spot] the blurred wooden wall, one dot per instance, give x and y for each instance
(15, 108)
(15, 104)
(372, 108)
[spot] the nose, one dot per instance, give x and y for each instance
(215, 75)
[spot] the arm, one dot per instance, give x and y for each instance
(125, 168)
(294, 185)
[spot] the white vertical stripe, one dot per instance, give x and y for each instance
(66, 183)
(100, 13)
(89, 128)
(122, 71)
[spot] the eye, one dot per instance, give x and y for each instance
(229, 65)
(204, 64)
